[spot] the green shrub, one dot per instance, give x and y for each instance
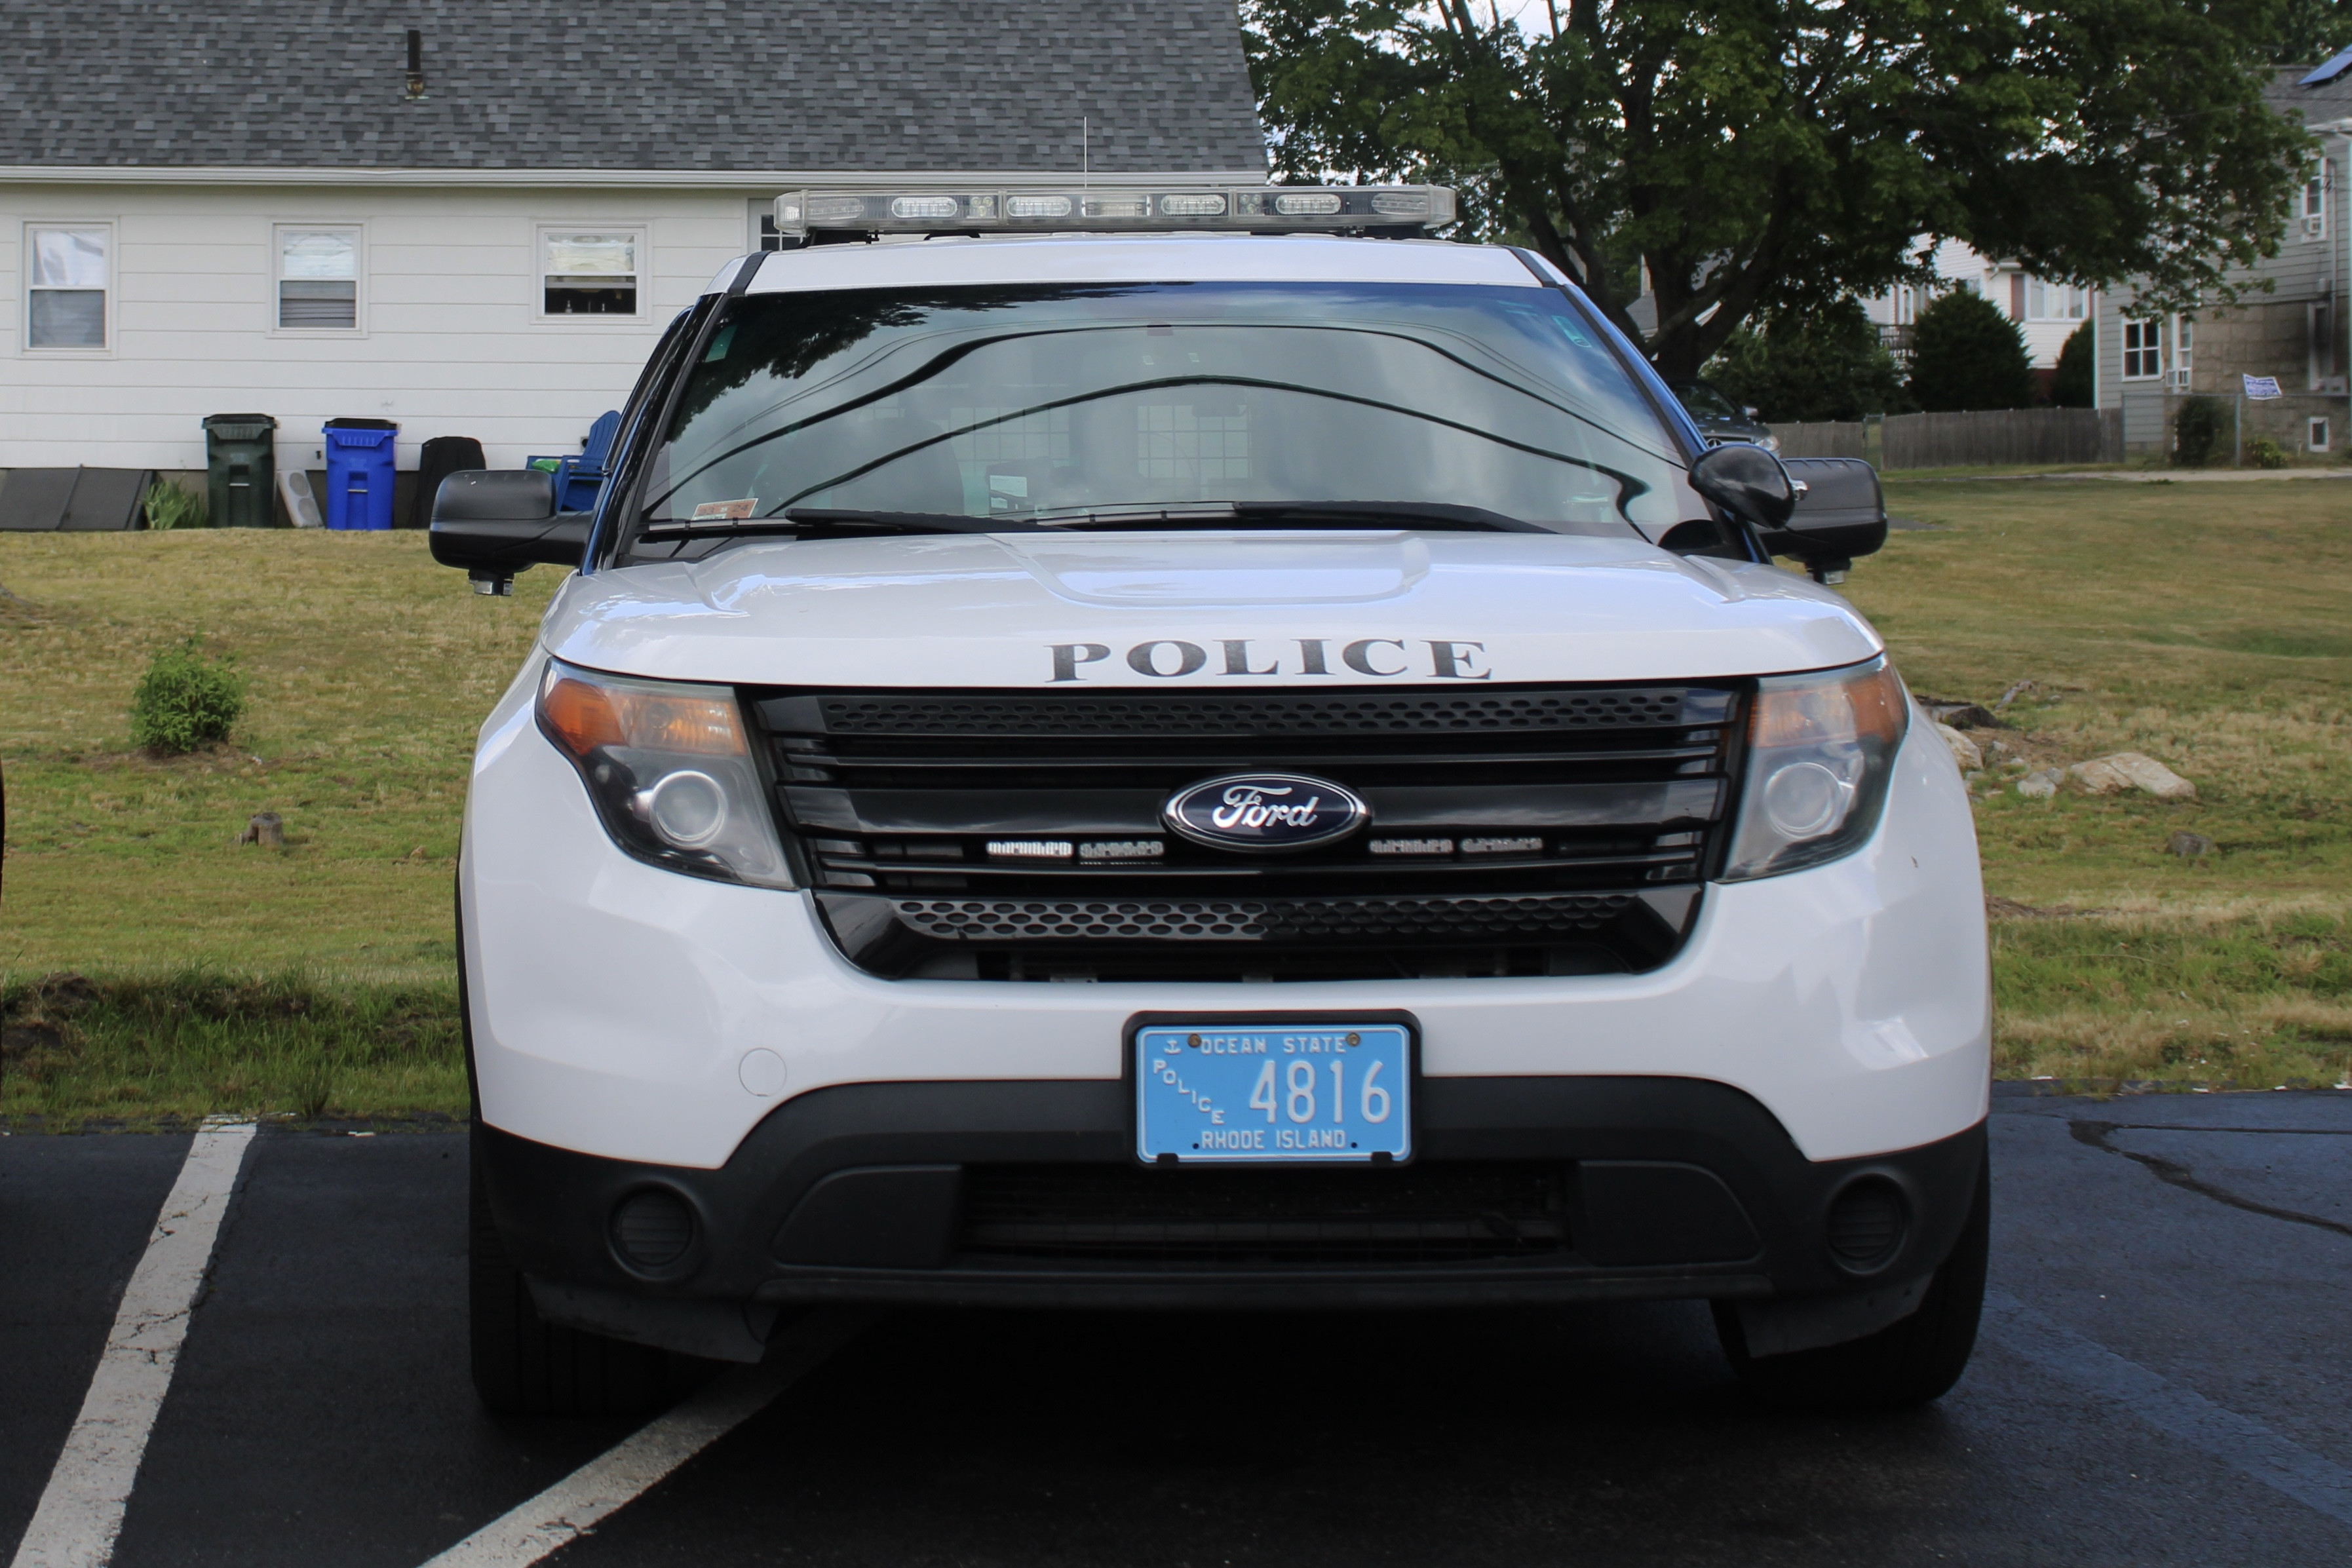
(2264, 453)
(2197, 431)
(1967, 353)
(2072, 384)
(170, 506)
(185, 700)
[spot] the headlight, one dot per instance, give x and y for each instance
(1820, 749)
(1771, 444)
(669, 770)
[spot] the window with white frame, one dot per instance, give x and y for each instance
(590, 271)
(2311, 202)
(2318, 434)
(317, 277)
(2055, 301)
(2143, 350)
(68, 274)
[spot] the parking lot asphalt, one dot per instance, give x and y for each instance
(2163, 1380)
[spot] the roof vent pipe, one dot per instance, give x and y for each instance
(416, 64)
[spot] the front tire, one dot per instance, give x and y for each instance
(524, 1365)
(1906, 1364)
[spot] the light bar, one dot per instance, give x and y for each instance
(1256, 208)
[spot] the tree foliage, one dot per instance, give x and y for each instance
(1750, 155)
(2306, 32)
(1967, 354)
(1801, 366)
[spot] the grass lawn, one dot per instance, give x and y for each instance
(2203, 624)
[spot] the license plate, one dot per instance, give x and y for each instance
(1334, 1093)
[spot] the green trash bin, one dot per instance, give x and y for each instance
(241, 469)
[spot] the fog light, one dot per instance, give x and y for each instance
(686, 808)
(652, 1229)
(1867, 1223)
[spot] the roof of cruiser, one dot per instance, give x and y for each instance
(916, 263)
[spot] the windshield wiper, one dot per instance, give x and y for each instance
(831, 522)
(1440, 515)
(1358, 515)
(836, 523)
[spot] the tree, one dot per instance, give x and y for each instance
(2306, 32)
(2075, 384)
(1747, 154)
(1967, 354)
(1810, 365)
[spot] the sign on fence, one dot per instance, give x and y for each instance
(2260, 387)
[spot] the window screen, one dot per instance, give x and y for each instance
(66, 296)
(590, 273)
(317, 277)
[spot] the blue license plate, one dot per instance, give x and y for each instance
(1322, 1093)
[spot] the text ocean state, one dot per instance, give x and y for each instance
(1338, 1094)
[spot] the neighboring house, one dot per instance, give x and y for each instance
(257, 208)
(2295, 334)
(2046, 313)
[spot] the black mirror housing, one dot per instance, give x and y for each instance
(1748, 482)
(1841, 513)
(495, 522)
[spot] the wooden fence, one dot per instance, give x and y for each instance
(2018, 437)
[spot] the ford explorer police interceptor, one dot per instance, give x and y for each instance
(1179, 748)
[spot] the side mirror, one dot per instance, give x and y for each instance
(496, 522)
(1841, 513)
(1748, 482)
(1750, 411)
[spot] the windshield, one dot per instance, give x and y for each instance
(1044, 405)
(1703, 402)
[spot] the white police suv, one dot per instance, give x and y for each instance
(1185, 747)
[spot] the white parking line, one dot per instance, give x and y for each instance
(2245, 1445)
(608, 1483)
(80, 1511)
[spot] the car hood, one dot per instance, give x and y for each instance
(1223, 611)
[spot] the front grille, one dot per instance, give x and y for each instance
(1516, 829)
(1444, 712)
(1444, 1213)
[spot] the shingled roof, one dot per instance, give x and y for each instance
(630, 85)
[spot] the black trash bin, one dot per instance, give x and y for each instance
(241, 469)
(441, 456)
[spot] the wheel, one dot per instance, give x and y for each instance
(525, 1366)
(1905, 1364)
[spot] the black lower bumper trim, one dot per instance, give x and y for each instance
(898, 1192)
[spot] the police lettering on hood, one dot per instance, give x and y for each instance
(1172, 658)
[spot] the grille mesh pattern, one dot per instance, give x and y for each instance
(1429, 1214)
(1444, 713)
(1530, 917)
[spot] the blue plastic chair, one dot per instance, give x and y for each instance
(577, 485)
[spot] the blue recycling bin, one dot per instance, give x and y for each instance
(360, 473)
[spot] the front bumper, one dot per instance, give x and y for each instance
(1675, 1188)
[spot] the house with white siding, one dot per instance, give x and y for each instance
(2046, 313)
(474, 219)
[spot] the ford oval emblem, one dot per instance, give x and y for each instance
(1265, 813)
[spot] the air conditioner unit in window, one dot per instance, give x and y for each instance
(2177, 380)
(2315, 225)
